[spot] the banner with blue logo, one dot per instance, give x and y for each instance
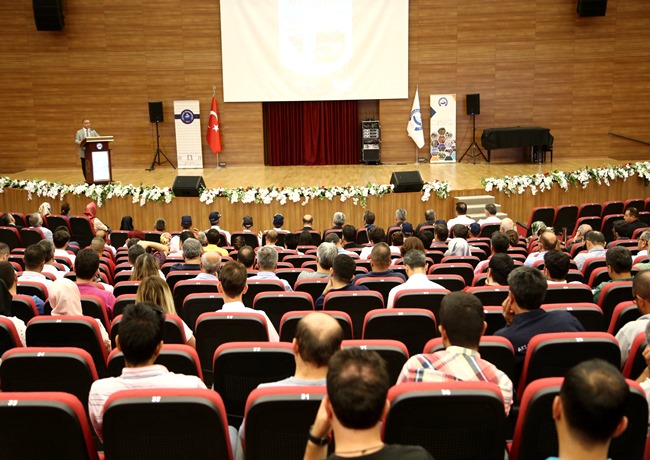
(188, 135)
(442, 143)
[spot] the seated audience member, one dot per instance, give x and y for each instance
(126, 223)
(461, 216)
(238, 242)
(412, 242)
(429, 220)
(338, 242)
(61, 239)
(210, 262)
(460, 231)
(191, 256)
(514, 238)
(307, 222)
(304, 238)
(619, 266)
(49, 267)
(506, 224)
(642, 244)
(369, 220)
(267, 263)
(34, 260)
(380, 261)
(490, 215)
(325, 256)
(272, 240)
(4, 252)
(556, 266)
(621, 231)
(547, 242)
(356, 404)
(341, 280)
(232, 285)
(499, 267)
(65, 209)
(140, 339)
(349, 236)
(91, 213)
(458, 247)
(154, 290)
(641, 296)
(36, 221)
(45, 209)
(246, 256)
(462, 323)
(474, 230)
(590, 410)
(440, 235)
(8, 220)
(375, 235)
(338, 221)
(595, 245)
(416, 272)
(278, 222)
(176, 241)
(582, 230)
(86, 265)
(400, 217)
(644, 378)
(631, 217)
(214, 219)
(213, 236)
(160, 225)
(524, 317)
(499, 244)
(426, 237)
(135, 251)
(7, 291)
(65, 300)
(397, 241)
(145, 266)
(97, 244)
(407, 229)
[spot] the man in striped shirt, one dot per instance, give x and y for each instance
(462, 323)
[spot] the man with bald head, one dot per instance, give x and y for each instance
(307, 222)
(506, 224)
(380, 261)
(209, 264)
(547, 242)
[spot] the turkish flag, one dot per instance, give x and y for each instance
(214, 135)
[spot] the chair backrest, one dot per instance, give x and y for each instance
(382, 285)
(257, 286)
(395, 353)
(612, 207)
(356, 304)
(197, 304)
(126, 287)
(472, 260)
(552, 354)
(535, 436)
(472, 411)
(121, 302)
(31, 369)
(290, 411)
(429, 299)
(82, 230)
(414, 327)
(185, 287)
(94, 306)
(276, 304)
(289, 322)
(180, 359)
(607, 227)
(9, 337)
(239, 367)
(566, 216)
(488, 229)
(623, 313)
(612, 294)
(636, 363)
(119, 237)
(590, 210)
(31, 235)
(568, 293)
(189, 423)
(250, 238)
(173, 331)
(31, 288)
(11, 236)
(362, 235)
(69, 331)
(489, 295)
(450, 282)
(23, 307)
(589, 314)
(594, 221)
(463, 269)
(68, 437)
(174, 277)
(290, 275)
(493, 318)
(597, 276)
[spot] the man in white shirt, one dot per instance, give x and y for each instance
(267, 262)
(490, 215)
(643, 244)
(232, 286)
(547, 241)
(61, 238)
(416, 270)
(34, 259)
(461, 216)
(36, 221)
(210, 262)
(49, 267)
(595, 244)
(641, 294)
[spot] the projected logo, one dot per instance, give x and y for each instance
(315, 38)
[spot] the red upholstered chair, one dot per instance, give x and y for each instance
(612, 294)
(463, 269)
(489, 295)
(174, 277)
(598, 275)
(180, 359)
(94, 306)
(566, 216)
(276, 304)
(11, 236)
(612, 207)
(473, 411)
(257, 286)
(382, 285)
(623, 313)
(82, 230)
(31, 288)
(635, 363)
(31, 235)
(544, 213)
(594, 221)
(126, 287)
(429, 299)
(493, 318)
(356, 304)
(449, 281)
(198, 418)
(394, 353)
(568, 293)
(472, 260)
(607, 227)
(185, 287)
(9, 338)
(197, 304)
(590, 210)
(23, 307)
(589, 314)
(63, 413)
(290, 320)
(414, 327)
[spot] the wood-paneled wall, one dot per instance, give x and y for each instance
(533, 62)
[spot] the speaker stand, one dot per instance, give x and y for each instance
(156, 156)
(473, 146)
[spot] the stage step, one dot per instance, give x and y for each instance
(476, 206)
(481, 200)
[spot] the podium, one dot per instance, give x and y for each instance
(98, 159)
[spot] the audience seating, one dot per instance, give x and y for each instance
(82, 230)
(594, 221)
(598, 275)
(173, 331)
(126, 287)
(472, 260)
(535, 435)
(488, 229)
(429, 299)
(50, 425)
(623, 314)
(636, 363)
(121, 302)
(180, 359)
(382, 285)
(94, 306)
(590, 210)
(177, 276)
(11, 236)
(544, 213)
(589, 314)
(69, 331)
(257, 286)
(394, 353)
(119, 237)
(463, 269)
(591, 264)
(197, 304)
(607, 227)
(31, 235)
(9, 337)
(217, 328)
(32, 288)
(473, 424)
(361, 236)
(450, 282)
(551, 355)
(489, 295)
(176, 423)
(239, 367)
(249, 238)
(23, 307)
(33, 369)
(568, 293)
(493, 318)
(612, 294)
(278, 421)
(356, 304)
(185, 287)
(566, 216)
(612, 207)
(290, 275)
(276, 304)
(414, 327)
(290, 320)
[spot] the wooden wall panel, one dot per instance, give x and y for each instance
(532, 62)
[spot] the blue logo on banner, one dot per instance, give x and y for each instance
(187, 116)
(443, 102)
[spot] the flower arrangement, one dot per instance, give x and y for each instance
(581, 177)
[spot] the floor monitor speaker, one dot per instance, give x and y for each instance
(48, 14)
(592, 7)
(156, 112)
(188, 185)
(407, 181)
(473, 103)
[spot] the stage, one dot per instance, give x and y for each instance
(464, 178)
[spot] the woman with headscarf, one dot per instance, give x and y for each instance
(127, 223)
(91, 213)
(458, 247)
(7, 289)
(65, 300)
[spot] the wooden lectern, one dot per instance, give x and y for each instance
(98, 159)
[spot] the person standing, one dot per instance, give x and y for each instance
(82, 134)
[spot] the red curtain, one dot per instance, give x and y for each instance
(311, 133)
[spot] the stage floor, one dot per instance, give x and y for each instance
(463, 176)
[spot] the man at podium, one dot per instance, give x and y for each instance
(80, 138)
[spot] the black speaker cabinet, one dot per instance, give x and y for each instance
(188, 185)
(48, 14)
(156, 112)
(407, 181)
(473, 103)
(592, 7)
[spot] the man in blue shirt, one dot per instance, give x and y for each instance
(341, 280)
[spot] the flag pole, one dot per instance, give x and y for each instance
(417, 91)
(214, 93)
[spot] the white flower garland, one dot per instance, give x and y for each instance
(265, 195)
(582, 177)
